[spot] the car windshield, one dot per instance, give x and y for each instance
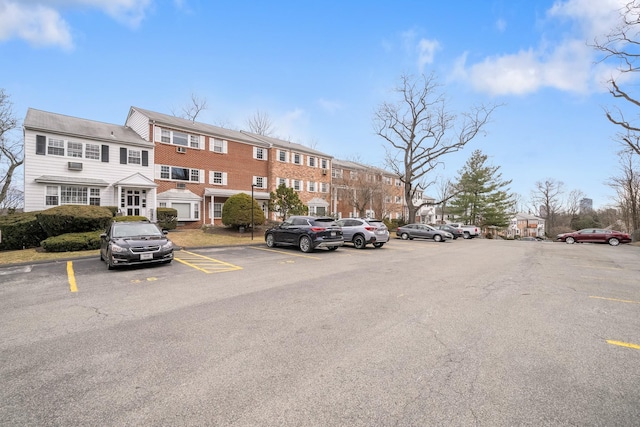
(128, 230)
(325, 222)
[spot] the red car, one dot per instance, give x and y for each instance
(595, 235)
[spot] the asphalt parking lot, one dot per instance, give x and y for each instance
(467, 332)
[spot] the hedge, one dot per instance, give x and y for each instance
(72, 242)
(21, 231)
(74, 219)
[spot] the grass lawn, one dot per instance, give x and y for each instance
(185, 239)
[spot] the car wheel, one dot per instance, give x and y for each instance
(271, 243)
(614, 242)
(101, 257)
(404, 236)
(358, 242)
(378, 245)
(332, 248)
(108, 261)
(570, 240)
(466, 235)
(437, 238)
(305, 244)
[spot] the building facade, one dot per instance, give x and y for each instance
(526, 225)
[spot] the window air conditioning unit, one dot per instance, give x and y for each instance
(75, 166)
(181, 150)
(324, 171)
(181, 186)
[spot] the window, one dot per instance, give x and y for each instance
(282, 181)
(194, 141)
(180, 138)
(324, 187)
(297, 158)
(55, 147)
(134, 157)
(398, 183)
(51, 198)
(218, 145)
(217, 178)
(296, 184)
(73, 195)
(165, 172)
(165, 136)
(282, 156)
(94, 196)
(259, 153)
(311, 186)
(311, 161)
(74, 149)
(217, 210)
(323, 163)
(387, 180)
(353, 175)
(179, 173)
(336, 173)
(260, 181)
(92, 151)
(195, 175)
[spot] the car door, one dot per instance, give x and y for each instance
(282, 233)
(586, 235)
(348, 228)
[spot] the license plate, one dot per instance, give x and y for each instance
(333, 234)
(146, 256)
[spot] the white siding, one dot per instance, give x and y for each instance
(139, 123)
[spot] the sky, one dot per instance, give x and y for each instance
(320, 69)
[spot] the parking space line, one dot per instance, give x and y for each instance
(285, 252)
(615, 299)
(72, 277)
(205, 264)
(624, 344)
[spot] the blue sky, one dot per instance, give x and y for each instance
(319, 69)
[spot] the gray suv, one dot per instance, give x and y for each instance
(364, 231)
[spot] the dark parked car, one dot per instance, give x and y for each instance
(306, 232)
(135, 242)
(364, 231)
(422, 231)
(455, 231)
(595, 235)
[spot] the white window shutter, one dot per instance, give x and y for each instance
(224, 178)
(255, 156)
(157, 137)
(157, 171)
(224, 146)
(264, 182)
(202, 141)
(265, 154)
(211, 177)
(201, 176)
(211, 139)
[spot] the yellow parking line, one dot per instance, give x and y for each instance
(624, 344)
(615, 299)
(285, 252)
(72, 277)
(205, 264)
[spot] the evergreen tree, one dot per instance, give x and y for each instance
(285, 202)
(483, 196)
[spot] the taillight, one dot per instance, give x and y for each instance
(317, 229)
(371, 228)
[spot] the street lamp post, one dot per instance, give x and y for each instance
(252, 202)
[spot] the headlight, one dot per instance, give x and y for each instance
(167, 245)
(116, 248)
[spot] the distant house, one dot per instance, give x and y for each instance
(526, 225)
(68, 160)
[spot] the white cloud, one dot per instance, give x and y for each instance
(40, 22)
(330, 106)
(565, 64)
(426, 52)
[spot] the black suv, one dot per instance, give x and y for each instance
(306, 232)
(134, 242)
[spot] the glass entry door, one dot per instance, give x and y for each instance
(133, 201)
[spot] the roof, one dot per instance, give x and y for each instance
(287, 145)
(44, 121)
(348, 164)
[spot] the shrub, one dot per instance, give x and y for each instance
(21, 231)
(236, 211)
(130, 218)
(167, 218)
(72, 242)
(112, 209)
(74, 219)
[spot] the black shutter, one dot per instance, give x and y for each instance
(41, 145)
(145, 158)
(123, 156)
(105, 154)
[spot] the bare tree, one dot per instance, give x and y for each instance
(621, 45)
(260, 123)
(419, 130)
(573, 202)
(546, 198)
(192, 109)
(11, 150)
(445, 190)
(627, 185)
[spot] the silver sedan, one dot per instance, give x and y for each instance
(422, 231)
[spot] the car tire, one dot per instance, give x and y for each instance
(305, 244)
(614, 241)
(101, 257)
(437, 238)
(378, 245)
(404, 236)
(570, 240)
(108, 261)
(358, 242)
(466, 235)
(271, 243)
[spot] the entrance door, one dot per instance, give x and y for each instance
(134, 201)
